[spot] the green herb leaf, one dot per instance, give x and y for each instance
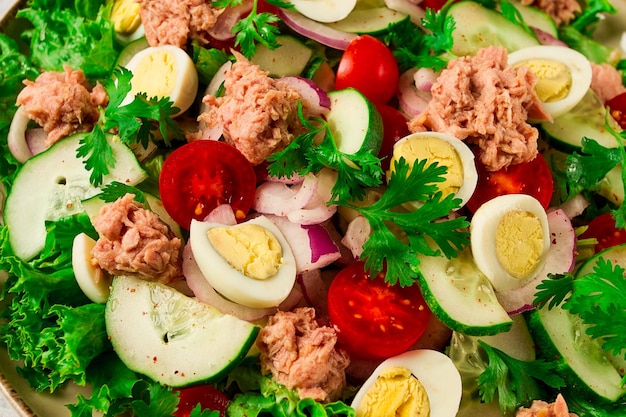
(514, 381)
(400, 254)
(115, 190)
(553, 291)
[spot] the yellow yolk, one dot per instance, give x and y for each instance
(395, 393)
(554, 79)
(249, 248)
(155, 75)
(519, 243)
(125, 16)
(433, 150)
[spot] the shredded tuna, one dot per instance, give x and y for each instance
(258, 114)
(62, 103)
(562, 11)
(542, 409)
(168, 22)
(606, 81)
(486, 102)
(302, 355)
(135, 241)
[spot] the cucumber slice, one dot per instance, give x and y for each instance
(131, 50)
(461, 296)
(477, 27)
(173, 339)
(52, 185)
(537, 18)
(290, 58)
(369, 21)
(586, 119)
(581, 361)
(354, 122)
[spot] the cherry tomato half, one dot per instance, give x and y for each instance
(375, 320)
(395, 125)
(604, 230)
(533, 178)
(617, 106)
(370, 67)
(207, 396)
(200, 175)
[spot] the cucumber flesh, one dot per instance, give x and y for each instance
(52, 184)
(355, 123)
(290, 58)
(130, 50)
(537, 18)
(369, 21)
(581, 361)
(461, 296)
(477, 27)
(173, 339)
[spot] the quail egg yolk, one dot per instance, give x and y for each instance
(159, 65)
(249, 248)
(519, 243)
(396, 392)
(554, 79)
(125, 16)
(433, 150)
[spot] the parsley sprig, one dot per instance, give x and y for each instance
(514, 381)
(135, 123)
(355, 171)
(385, 249)
(597, 298)
(255, 27)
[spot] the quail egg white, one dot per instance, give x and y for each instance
(126, 20)
(510, 238)
(418, 382)
(461, 176)
(563, 75)
(164, 71)
(249, 263)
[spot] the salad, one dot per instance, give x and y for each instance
(329, 208)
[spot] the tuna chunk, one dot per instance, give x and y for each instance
(606, 81)
(62, 103)
(562, 11)
(302, 355)
(542, 409)
(168, 22)
(486, 102)
(134, 241)
(258, 114)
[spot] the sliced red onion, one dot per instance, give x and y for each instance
(560, 259)
(424, 79)
(36, 139)
(216, 82)
(279, 198)
(411, 101)
(315, 98)
(356, 235)
(223, 28)
(317, 31)
(575, 206)
(315, 213)
(17, 136)
(409, 7)
(222, 214)
(546, 38)
(302, 241)
(314, 291)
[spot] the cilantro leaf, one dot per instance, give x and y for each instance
(512, 14)
(598, 299)
(591, 14)
(116, 190)
(302, 156)
(553, 291)
(514, 381)
(135, 123)
(424, 224)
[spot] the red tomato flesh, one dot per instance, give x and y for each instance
(201, 175)
(375, 320)
(617, 106)
(368, 65)
(532, 178)
(207, 396)
(604, 230)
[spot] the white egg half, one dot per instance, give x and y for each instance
(434, 370)
(447, 150)
(510, 238)
(164, 71)
(564, 75)
(94, 282)
(234, 282)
